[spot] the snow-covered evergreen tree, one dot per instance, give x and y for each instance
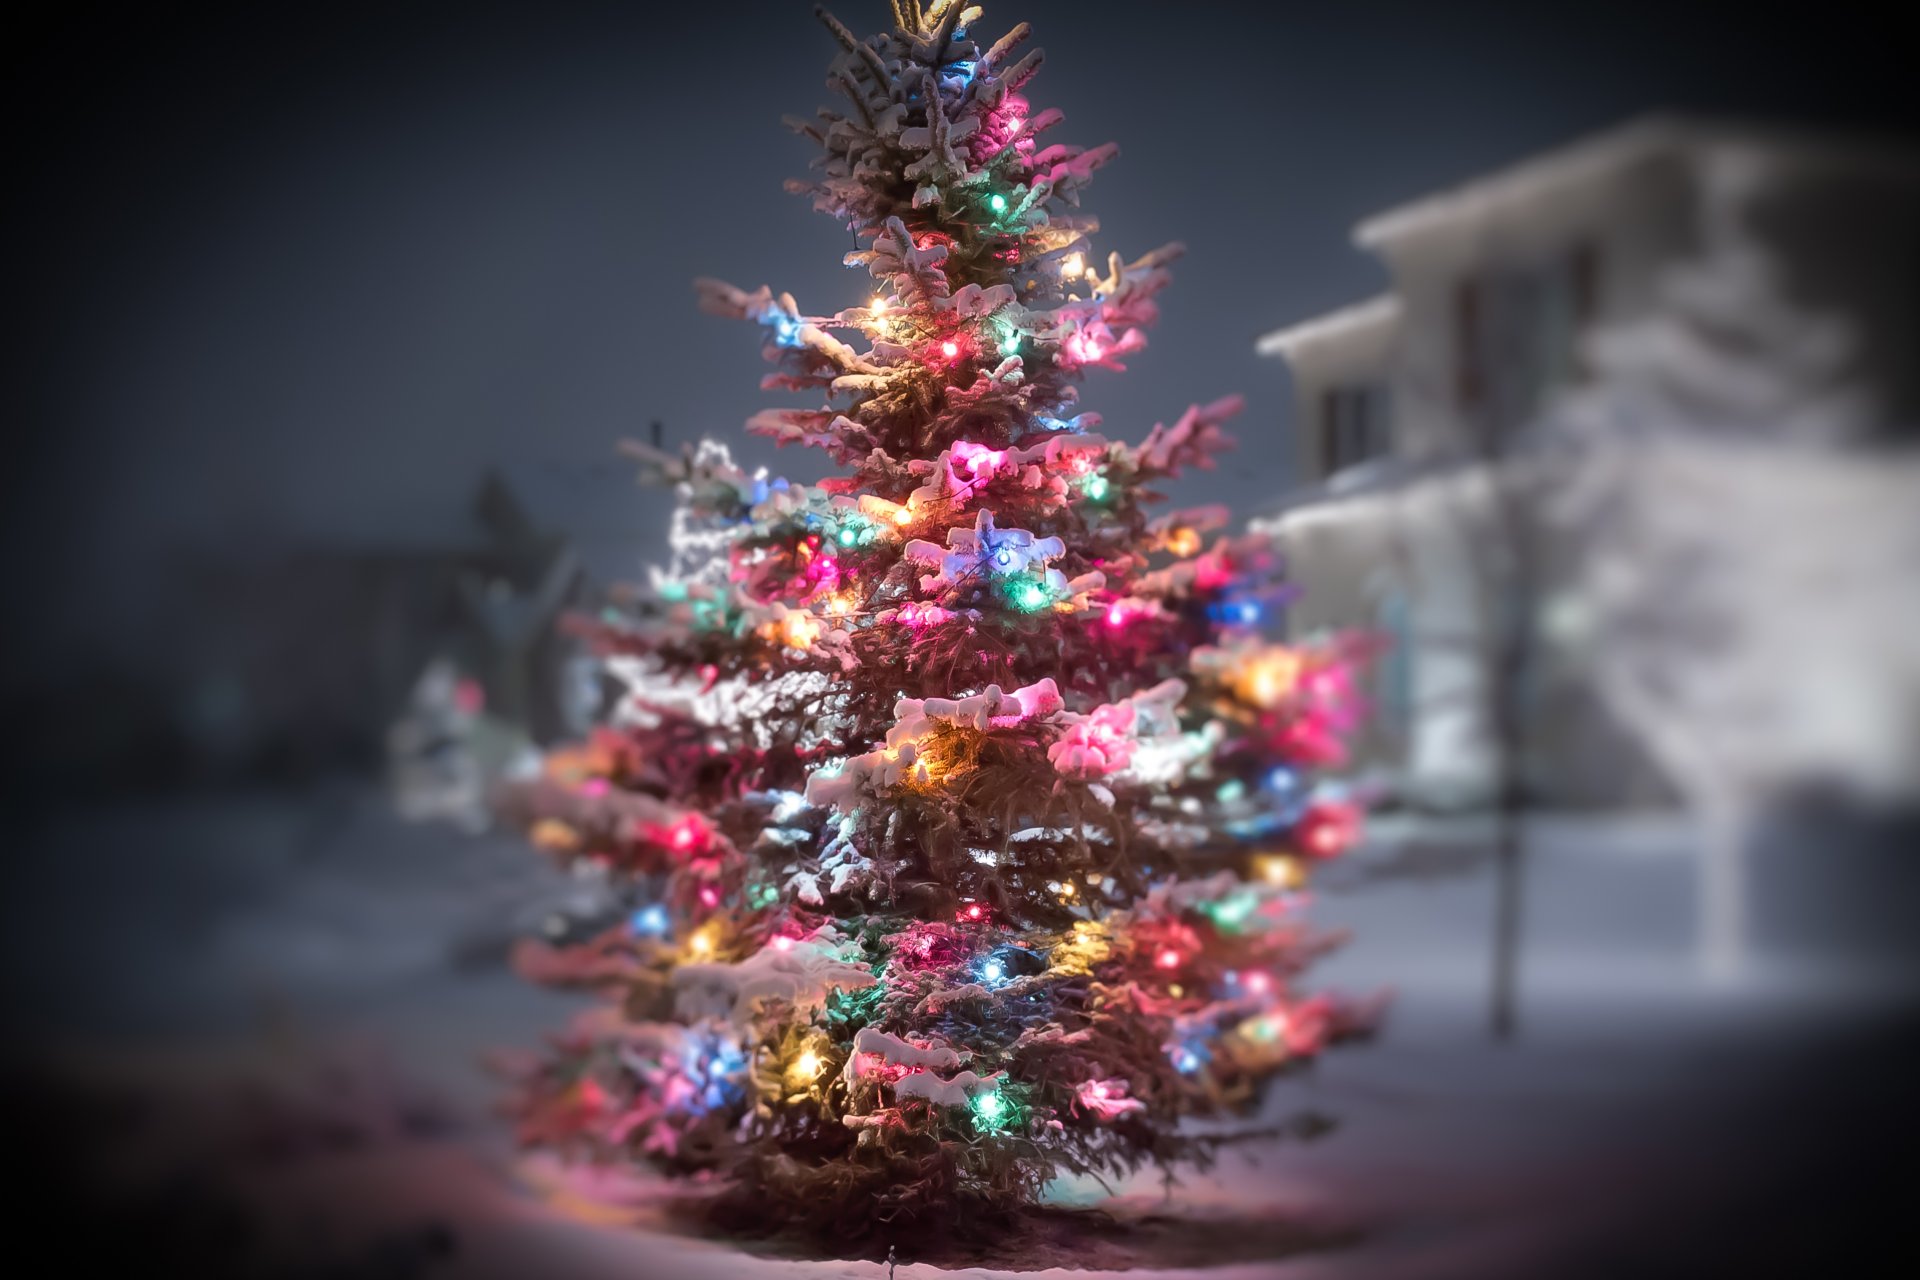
(962, 811)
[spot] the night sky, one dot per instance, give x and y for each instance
(300, 273)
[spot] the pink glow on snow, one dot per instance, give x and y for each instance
(921, 615)
(469, 698)
(1105, 1098)
(1085, 349)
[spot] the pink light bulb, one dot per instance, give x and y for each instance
(950, 349)
(1168, 959)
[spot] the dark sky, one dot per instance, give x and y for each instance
(303, 271)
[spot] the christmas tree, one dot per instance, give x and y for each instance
(959, 812)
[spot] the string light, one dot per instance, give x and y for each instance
(1280, 869)
(997, 202)
(988, 1108)
(701, 943)
(807, 1065)
(650, 921)
(950, 349)
(687, 832)
(800, 629)
(878, 306)
(1029, 596)
(1169, 958)
(1268, 676)
(1072, 265)
(1096, 488)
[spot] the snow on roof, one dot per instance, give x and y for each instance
(1375, 315)
(1521, 187)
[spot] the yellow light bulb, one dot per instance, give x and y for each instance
(1280, 870)
(1183, 541)
(700, 944)
(800, 629)
(903, 515)
(878, 306)
(807, 1065)
(1269, 677)
(1072, 265)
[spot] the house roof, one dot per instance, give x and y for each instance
(1564, 170)
(1375, 315)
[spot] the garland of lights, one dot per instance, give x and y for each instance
(957, 813)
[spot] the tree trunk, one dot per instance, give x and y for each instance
(1508, 889)
(1721, 898)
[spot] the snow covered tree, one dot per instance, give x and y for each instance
(958, 811)
(1745, 594)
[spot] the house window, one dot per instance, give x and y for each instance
(1354, 426)
(1517, 338)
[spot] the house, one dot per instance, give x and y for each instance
(1752, 293)
(293, 659)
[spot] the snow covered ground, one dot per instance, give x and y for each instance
(261, 1023)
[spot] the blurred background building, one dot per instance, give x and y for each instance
(302, 655)
(1624, 466)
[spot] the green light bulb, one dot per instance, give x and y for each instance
(1009, 344)
(1097, 488)
(987, 1106)
(849, 536)
(997, 202)
(1029, 596)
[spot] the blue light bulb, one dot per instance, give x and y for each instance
(650, 921)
